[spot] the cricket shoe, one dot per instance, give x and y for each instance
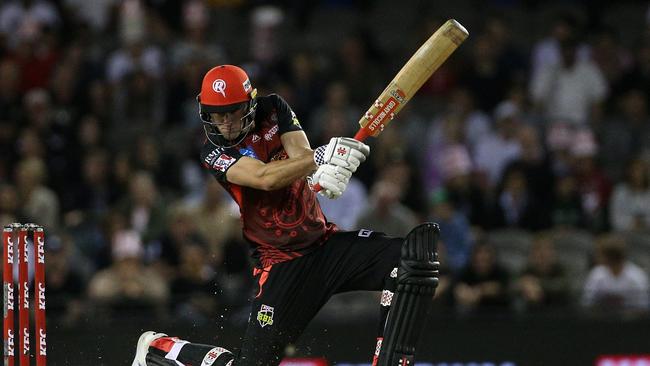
(142, 355)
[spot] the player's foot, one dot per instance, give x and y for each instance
(143, 347)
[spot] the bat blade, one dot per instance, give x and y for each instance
(418, 69)
(426, 60)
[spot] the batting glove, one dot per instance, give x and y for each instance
(332, 179)
(345, 152)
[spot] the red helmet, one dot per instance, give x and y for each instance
(226, 88)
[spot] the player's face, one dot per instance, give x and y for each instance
(230, 124)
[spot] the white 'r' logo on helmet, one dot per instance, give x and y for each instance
(219, 86)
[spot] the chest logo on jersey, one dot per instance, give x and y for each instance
(265, 315)
(223, 162)
(269, 135)
(255, 138)
(212, 156)
(248, 151)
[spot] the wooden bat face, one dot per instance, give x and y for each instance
(426, 60)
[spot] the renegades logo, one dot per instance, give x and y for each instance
(265, 315)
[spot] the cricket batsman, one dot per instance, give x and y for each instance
(258, 152)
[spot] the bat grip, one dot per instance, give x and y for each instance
(361, 135)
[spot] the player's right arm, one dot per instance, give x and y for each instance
(270, 176)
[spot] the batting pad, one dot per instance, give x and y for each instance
(417, 279)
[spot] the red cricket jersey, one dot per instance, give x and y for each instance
(281, 224)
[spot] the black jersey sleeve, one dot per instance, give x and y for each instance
(217, 160)
(287, 120)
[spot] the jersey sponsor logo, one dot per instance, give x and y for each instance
(393, 273)
(248, 151)
(219, 86)
(265, 315)
(294, 120)
(212, 356)
(247, 85)
(269, 135)
(223, 163)
(212, 156)
(365, 233)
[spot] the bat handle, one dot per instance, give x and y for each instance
(361, 135)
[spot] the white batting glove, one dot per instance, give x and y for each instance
(345, 152)
(332, 179)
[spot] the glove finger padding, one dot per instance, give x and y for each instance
(342, 151)
(332, 179)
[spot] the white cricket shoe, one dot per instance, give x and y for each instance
(143, 347)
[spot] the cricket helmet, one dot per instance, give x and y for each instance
(226, 89)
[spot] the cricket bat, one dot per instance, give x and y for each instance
(426, 60)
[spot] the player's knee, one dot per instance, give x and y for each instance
(419, 260)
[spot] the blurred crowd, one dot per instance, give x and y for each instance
(530, 147)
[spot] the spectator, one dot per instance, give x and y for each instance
(462, 189)
(128, 286)
(535, 163)
(481, 287)
(194, 287)
(66, 281)
(143, 208)
(567, 204)
(544, 283)
(615, 283)
(216, 220)
(385, 213)
(630, 203)
(335, 117)
(180, 232)
(346, 210)
(454, 230)
(625, 134)
(515, 206)
(593, 185)
(495, 150)
(9, 205)
(571, 90)
(38, 202)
